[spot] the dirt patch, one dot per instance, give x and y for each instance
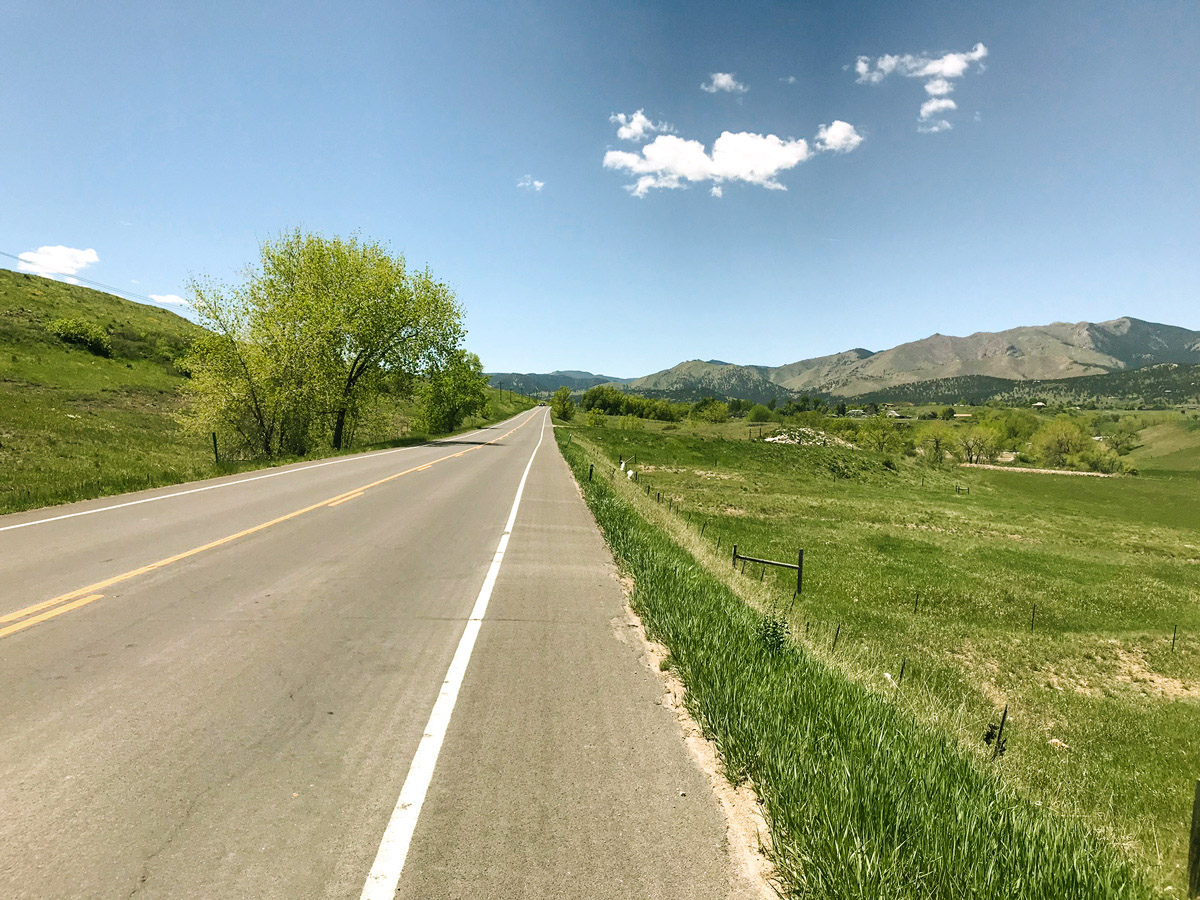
(1134, 672)
(1035, 471)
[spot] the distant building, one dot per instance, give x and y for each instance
(962, 415)
(856, 413)
(1039, 405)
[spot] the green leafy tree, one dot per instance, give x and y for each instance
(562, 405)
(978, 444)
(758, 413)
(947, 414)
(296, 354)
(938, 440)
(879, 435)
(1055, 442)
(453, 389)
(1125, 436)
(710, 409)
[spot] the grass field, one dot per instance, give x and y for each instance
(74, 425)
(1102, 713)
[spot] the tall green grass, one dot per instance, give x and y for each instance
(861, 800)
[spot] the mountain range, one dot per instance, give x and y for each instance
(1044, 352)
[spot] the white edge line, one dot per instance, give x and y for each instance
(384, 877)
(225, 484)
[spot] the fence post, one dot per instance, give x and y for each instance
(1000, 734)
(735, 556)
(1194, 848)
(800, 571)
(591, 468)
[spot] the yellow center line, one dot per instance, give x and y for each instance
(89, 593)
(4, 632)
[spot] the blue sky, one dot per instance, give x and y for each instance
(172, 138)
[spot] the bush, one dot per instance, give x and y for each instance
(84, 334)
(596, 418)
(561, 404)
(758, 413)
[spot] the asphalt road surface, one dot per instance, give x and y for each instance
(395, 674)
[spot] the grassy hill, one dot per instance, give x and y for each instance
(75, 424)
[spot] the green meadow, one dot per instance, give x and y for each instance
(1057, 596)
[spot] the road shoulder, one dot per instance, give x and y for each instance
(564, 772)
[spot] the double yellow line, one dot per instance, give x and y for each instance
(65, 603)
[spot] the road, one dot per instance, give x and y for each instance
(394, 674)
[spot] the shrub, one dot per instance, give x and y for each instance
(758, 413)
(84, 334)
(561, 404)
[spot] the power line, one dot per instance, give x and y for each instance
(121, 292)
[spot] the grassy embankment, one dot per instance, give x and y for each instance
(879, 791)
(74, 425)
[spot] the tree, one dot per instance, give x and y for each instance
(938, 439)
(977, 444)
(710, 409)
(562, 405)
(947, 414)
(1057, 440)
(1125, 435)
(453, 390)
(758, 413)
(300, 351)
(879, 435)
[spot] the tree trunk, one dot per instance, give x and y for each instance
(339, 428)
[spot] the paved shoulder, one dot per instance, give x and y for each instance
(561, 776)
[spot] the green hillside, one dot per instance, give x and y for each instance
(76, 424)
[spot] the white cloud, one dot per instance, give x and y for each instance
(840, 137)
(170, 300)
(530, 183)
(938, 72)
(936, 106)
(670, 162)
(638, 126)
(723, 81)
(790, 79)
(58, 260)
(952, 65)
